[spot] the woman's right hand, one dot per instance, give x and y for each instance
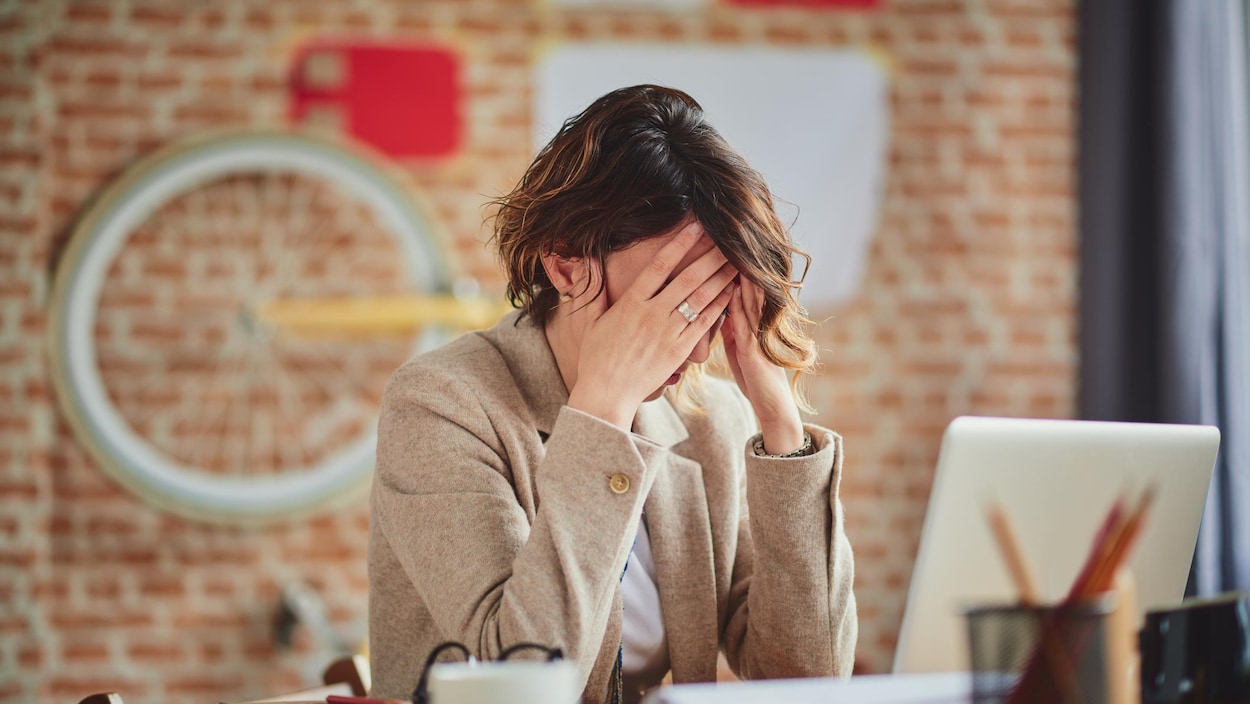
(630, 348)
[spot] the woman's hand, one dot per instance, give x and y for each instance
(630, 348)
(765, 384)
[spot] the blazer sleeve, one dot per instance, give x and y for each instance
(791, 605)
(444, 500)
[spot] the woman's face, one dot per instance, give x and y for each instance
(623, 266)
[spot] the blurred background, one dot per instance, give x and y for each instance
(163, 417)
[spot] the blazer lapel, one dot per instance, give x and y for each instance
(524, 348)
(679, 527)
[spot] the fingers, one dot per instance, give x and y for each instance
(738, 320)
(599, 304)
(709, 316)
(658, 272)
(752, 304)
(699, 274)
(703, 297)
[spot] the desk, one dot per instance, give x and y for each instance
(944, 688)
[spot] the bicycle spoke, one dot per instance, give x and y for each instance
(285, 268)
(282, 384)
(244, 194)
(215, 419)
(249, 425)
(348, 383)
(276, 191)
(288, 267)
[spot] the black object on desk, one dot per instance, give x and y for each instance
(1198, 653)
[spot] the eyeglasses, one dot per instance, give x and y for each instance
(421, 696)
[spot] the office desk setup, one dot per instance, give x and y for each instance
(1053, 480)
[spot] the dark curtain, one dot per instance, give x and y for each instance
(1165, 240)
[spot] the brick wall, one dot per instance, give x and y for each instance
(967, 306)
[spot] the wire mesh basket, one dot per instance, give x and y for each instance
(1039, 654)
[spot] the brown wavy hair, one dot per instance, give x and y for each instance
(636, 163)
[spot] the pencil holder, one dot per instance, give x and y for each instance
(1040, 654)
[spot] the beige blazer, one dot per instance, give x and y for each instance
(499, 515)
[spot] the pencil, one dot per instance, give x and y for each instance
(1111, 527)
(1119, 552)
(1009, 545)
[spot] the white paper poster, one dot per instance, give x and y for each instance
(814, 122)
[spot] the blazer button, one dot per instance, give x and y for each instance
(619, 483)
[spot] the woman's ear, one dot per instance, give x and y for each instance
(567, 274)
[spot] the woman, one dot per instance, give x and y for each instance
(569, 478)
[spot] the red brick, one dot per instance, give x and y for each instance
(99, 110)
(169, 586)
(723, 31)
(1031, 9)
(191, 621)
(356, 21)
(210, 114)
(260, 20)
(267, 84)
(673, 31)
(412, 23)
(73, 686)
(93, 46)
(89, 13)
(30, 656)
(944, 8)
(11, 490)
(159, 82)
(12, 91)
(212, 18)
(156, 18)
(80, 652)
(69, 621)
(104, 78)
(157, 654)
(785, 35)
(1026, 69)
(1024, 37)
(200, 50)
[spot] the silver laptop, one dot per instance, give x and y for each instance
(1056, 480)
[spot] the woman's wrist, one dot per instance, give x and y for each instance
(602, 407)
(782, 436)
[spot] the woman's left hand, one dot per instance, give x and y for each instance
(765, 384)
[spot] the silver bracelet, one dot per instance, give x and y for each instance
(804, 449)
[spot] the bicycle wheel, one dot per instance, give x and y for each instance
(164, 369)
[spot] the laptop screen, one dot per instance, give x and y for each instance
(1056, 480)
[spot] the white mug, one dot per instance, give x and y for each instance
(508, 682)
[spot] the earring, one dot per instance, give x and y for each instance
(566, 297)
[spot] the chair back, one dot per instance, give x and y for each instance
(352, 670)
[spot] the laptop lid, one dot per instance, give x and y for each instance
(1056, 479)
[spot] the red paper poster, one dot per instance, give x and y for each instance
(402, 99)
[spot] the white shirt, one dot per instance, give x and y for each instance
(644, 645)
